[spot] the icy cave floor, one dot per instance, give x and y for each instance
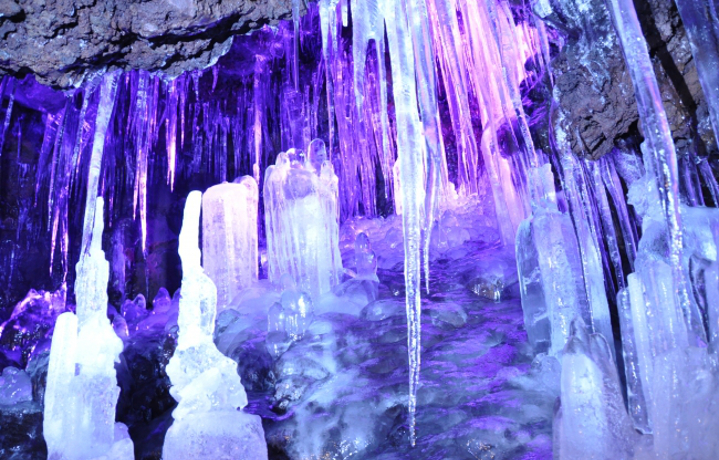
(343, 386)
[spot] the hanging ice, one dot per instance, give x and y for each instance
(301, 217)
(208, 421)
(229, 243)
(81, 393)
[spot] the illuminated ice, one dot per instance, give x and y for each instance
(81, 392)
(592, 422)
(301, 216)
(208, 420)
(229, 243)
(550, 268)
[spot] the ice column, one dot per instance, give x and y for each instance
(549, 264)
(81, 393)
(208, 422)
(229, 242)
(301, 217)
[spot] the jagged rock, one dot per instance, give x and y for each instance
(65, 42)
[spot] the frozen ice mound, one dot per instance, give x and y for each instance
(15, 386)
(221, 435)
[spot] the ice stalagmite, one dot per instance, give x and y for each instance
(208, 421)
(592, 422)
(229, 243)
(81, 393)
(302, 221)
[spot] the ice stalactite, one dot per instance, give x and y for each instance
(411, 152)
(102, 120)
(702, 25)
(229, 243)
(660, 158)
(81, 392)
(208, 420)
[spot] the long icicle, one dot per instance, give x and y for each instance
(411, 152)
(104, 111)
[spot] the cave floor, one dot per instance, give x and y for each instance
(342, 389)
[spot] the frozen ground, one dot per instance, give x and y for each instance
(339, 390)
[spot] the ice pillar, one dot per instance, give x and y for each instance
(229, 243)
(208, 421)
(82, 391)
(549, 264)
(301, 216)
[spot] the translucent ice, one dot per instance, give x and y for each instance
(208, 422)
(15, 386)
(301, 216)
(550, 268)
(365, 259)
(592, 423)
(81, 392)
(229, 243)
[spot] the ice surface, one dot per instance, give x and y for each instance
(301, 216)
(208, 422)
(592, 423)
(229, 242)
(15, 386)
(81, 392)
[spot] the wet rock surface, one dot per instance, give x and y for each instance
(65, 42)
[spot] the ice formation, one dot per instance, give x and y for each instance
(229, 243)
(81, 392)
(301, 220)
(406, 179)
(208, 421)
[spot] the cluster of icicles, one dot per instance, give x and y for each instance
(122, 133)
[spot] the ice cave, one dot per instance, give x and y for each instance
(359, 229)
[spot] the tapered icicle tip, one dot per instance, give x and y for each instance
(190, 234)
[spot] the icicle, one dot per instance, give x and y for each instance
(703, 32)
(427, 91)
(8, 112)
(104, 111)
(660, 158)
(51, 125)
(411, 153)
(142, 129)
(296, 53)
(171, 132)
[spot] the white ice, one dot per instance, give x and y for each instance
(208, 420)
(229, 236)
